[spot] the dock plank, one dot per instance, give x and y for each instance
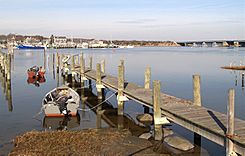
(181, 111)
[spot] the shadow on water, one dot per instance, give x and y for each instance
(108, 113)
(61, 123)
(18, 113)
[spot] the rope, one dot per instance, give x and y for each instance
(86, 86)
(89, 109)
(41, 110)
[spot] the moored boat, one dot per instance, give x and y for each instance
(61, 101)
(30, 47)
(36, 71)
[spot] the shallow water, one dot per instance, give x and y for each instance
(174, 67)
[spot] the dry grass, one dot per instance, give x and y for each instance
(84, 142)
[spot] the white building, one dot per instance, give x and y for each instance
(97, 44)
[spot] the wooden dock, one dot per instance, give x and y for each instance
(202, 121)
(220, 128)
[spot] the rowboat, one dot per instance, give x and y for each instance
(36, 80)
(35, 72)
(61, 101)
(234, 67)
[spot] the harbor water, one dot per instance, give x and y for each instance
(20, 104)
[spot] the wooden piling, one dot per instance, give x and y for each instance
(120, 90)
(44, 58)
(82, 68)
(57, 62)
(4, 65)
(73, 68)
(123, 69)
(90, 62)
(61, 62)
(53, 66)
(230, 121)
(158, 135)
(98, 80)
(147, 77)
(103, 66)
(9, 67)
(77, 60)
(196, 90)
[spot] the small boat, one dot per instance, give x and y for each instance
(35, 72)
(234, 67)
(61, 101)
(30, 47)
(36, 80)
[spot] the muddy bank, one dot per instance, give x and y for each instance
(84, 142)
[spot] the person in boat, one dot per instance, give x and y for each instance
(61, 99)
(35, 69)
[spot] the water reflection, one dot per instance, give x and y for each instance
(5, 80)
(36, 81)
(173, 66)
(238, 78)
(61, 123)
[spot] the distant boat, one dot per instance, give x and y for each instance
(30, 47)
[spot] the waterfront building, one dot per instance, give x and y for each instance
(97, 44)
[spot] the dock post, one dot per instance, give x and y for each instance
(197, 91)
(73, 69)
(82, 69)
(147, 85)
(90, 62)
(120, 90)
(57, 62)
(1, 61)
(53, 66)
(147, 77)
(158, 135)
(230, 121)
(123, 68)
(120, 103)
(4, 65)
(197, 101)
(77, 60)
(61, 63)
(44, 59)
(103, 66)
(90, 68)
(9, 67)
(98, 80)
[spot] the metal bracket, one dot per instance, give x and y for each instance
(84, 78)
(122, 98)
(161, 121)
(99, 86)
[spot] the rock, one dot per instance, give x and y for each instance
(145, 119)
(178, 142)
(145, 136)
(167, 132)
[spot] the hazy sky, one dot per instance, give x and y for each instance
(177, 20)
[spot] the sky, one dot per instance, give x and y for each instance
(175, 20)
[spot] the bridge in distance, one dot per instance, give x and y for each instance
(213, 43)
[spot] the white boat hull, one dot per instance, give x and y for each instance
(51, 108)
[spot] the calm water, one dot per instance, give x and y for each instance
(174, 67)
